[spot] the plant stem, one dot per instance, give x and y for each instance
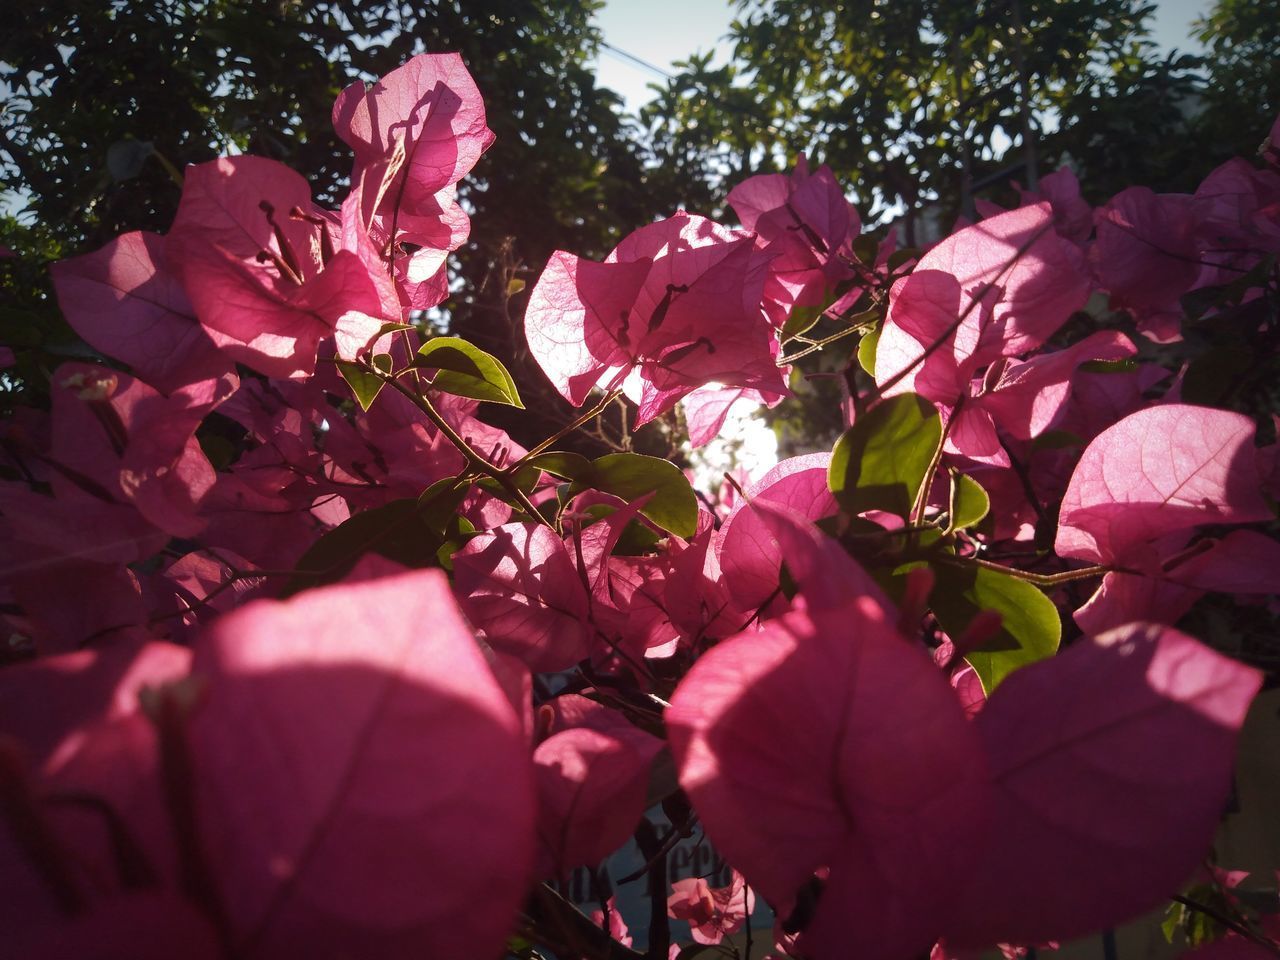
(922, 497)
(1039, 579)
(577, 935)
(474, 459)
(819, 344)
(1227, 922)
(563, 432)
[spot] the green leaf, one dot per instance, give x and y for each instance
(674, 505)
(969, 502)
(663, 781)
(439, 502)
(865, 249)
(467, 371)
(1214, 375)
(867, 351)
(636, 540)
(456, 534)
(390, 327)
(880, 462)
(1057, 440)
(1124, 365)
(220, 451)
(802, 319)
(1030, 629)
(126, 158)
(1197, 303)
(396, 530)
(524, 479)
(901, 257)
(365, 385)
(561, 463)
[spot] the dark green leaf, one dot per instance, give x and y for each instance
(396, 530)
(456, 534)
(220, 451)
(969, 502)
(1214, 375)
(365, 385)
(524, 479)
(801, 320)
(880, 462)
(563, 464)
(1108, 366)
(867, 351)
(637, 539)
(1197, 303)
(663, 782)
(467, 371)
(901, 257)
(1030, 629)
(674, 505)
(125, 158)
(439, 502)
(1057, 440)
(392, 328)
(865, 249)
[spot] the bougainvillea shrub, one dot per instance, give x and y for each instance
(308, 659)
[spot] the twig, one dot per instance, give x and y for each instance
(1039, 579)
(922, 496)
(819, 344)
(474, 459)
(563, 432)
(1227, 922)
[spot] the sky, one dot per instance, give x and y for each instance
(663, 31)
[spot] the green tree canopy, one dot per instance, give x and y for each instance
(914, 102)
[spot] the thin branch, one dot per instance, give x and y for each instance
(474, 459)
(666, 845)
(579, 936)
(819, 344)
(1039, 579)
(916, 517)
(563, 432)
(1227, 922)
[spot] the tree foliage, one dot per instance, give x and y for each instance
(905, 100)
(937, 100)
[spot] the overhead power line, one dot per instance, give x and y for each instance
(636, 60)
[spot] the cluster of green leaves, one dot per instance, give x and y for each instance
(906, 101)
(934, 101)
(885, 462)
